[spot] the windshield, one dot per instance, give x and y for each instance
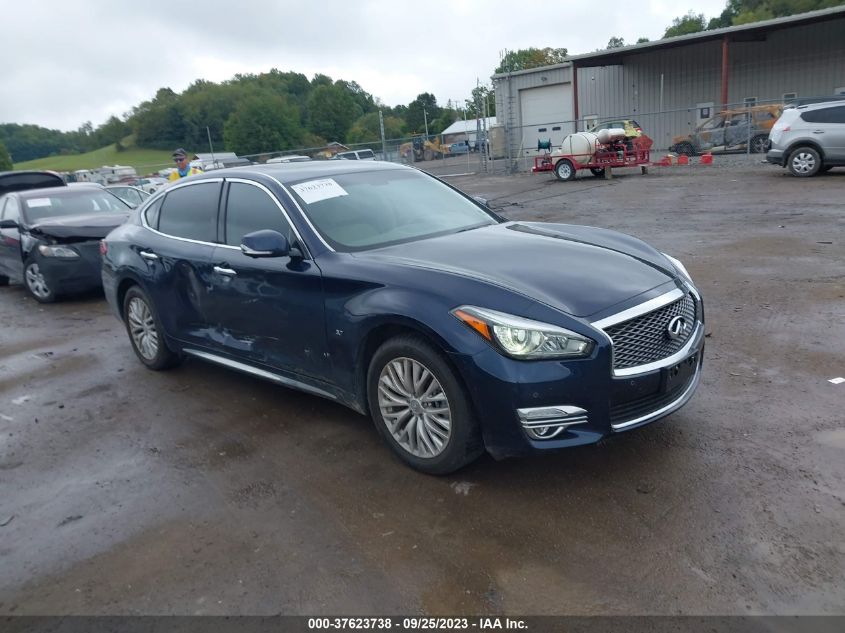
(70, 201)
(363, 210)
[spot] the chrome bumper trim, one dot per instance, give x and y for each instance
(554, 418)
(666, 409)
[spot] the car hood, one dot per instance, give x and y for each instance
(578, 270)
(93, 227)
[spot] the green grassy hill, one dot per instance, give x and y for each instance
(145, 161)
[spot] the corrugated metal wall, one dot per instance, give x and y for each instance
(808, 60)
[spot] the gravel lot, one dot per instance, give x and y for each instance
(200, 490)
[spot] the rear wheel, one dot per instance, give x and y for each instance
(759, 144)
(804, 162)
(598, 173)
(145, 332)
(565, 170)
(685, 148)
(420, 408)
(37, 284)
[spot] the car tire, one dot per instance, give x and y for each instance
(759, 144)
(685, 149)
(598, 173)
(36, 284)
(4, 281)
(565, 170)
(804, 162)
(145, 332)
(420, 407)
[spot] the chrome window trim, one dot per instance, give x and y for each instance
(302, 213)
(261, 373)
(143, 212)
(243, 181)
(667, 409)
(644, 308)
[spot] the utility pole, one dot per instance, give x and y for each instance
(210, 146)
(425, 118)
(383, 141)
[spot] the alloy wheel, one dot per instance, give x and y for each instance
(36, 283)
(142, 328)
(414, 407)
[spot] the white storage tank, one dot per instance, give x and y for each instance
(609, 135)
(581, 146)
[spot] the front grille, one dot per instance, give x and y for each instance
(644, 339)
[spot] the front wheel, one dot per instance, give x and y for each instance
(804, 162)
(37, 284)
(420, 408)
(565, 170)
(145, 332)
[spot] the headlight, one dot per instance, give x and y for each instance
(57, 251)
(522, 338)
(679, 267)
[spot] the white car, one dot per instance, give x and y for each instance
(151, 184)
(291, 158)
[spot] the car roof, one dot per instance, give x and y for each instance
(292, 172)
(820, 106)
(31, 179)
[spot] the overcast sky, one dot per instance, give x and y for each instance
(65, 63)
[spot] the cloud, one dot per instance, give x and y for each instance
(66, 63)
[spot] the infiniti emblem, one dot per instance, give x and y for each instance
(676, 328)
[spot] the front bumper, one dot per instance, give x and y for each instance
(526, 407)
(74, 275)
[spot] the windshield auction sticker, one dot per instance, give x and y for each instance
(316, 190)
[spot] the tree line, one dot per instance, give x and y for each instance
(249, 114)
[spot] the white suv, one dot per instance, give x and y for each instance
(809, 139)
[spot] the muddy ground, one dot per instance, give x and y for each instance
(200, 490)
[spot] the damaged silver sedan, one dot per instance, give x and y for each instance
(49, 238)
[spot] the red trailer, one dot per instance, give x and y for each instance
(629, 153)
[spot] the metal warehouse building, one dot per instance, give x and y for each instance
(671, 86)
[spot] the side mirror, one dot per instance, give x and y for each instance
(481, 201)
(267, 243)
(8, 224)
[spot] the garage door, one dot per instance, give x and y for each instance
(546, 114)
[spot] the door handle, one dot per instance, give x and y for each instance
(818, 131)
(148, 255)
(225, 271)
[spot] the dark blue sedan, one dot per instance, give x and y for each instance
(385, 289)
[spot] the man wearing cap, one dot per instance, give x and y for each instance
(183, 169)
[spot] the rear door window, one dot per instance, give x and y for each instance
(825, 115)
(190, 212)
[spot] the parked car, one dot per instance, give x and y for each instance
(386, 290)
(461, 147)
(730, 130)
(356, 154)
(130, 195)
(22, 180)
(151, 184)
(49, 238)
(809, 139)
(291, 158)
